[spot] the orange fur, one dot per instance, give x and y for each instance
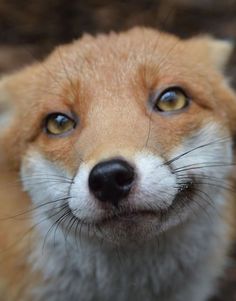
(16, 239)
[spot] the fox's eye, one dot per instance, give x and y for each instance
(172, 99)
(58, 123)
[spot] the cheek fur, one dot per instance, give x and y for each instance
(156, 185)
(208, 150)
(205, 160)
(44, 180)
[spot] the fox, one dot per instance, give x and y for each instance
(117, 170)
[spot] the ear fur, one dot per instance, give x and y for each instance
(220, 52)
(6, 106)
(210, 51)
(7, 120)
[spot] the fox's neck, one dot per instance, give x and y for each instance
(97, 271)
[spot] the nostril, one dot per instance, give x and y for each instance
(111, 181)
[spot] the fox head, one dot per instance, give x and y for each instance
(128, 133)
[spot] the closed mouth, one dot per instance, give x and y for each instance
(133, 215)
(126, 215)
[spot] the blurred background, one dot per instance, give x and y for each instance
(30, 29)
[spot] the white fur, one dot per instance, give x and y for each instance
(153, 179)
(175, 259)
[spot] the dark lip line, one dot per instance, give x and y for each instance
(127, 215)
(161, 212)
(139, 213)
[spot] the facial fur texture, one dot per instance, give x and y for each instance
(176, 218)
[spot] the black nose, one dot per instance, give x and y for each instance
(111, 181)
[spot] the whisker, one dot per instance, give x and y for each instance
(220, 140)
(35, 208)
(209, 202)
(27, 232)
(70, 225)
(15, 183)
(210, 181)
(207, 164)
(50, 183)
(56, 223)
(204, 166)
(47, 176)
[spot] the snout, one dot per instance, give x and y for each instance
(122, 186)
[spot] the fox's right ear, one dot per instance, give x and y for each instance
(8, 113)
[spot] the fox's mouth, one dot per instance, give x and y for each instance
(129, 215)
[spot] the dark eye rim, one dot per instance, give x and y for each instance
(71, 116)
(155, 96)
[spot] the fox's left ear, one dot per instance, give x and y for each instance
(220, 52)
(209, 50)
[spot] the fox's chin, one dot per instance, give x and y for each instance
(129, 230)
(137, 226)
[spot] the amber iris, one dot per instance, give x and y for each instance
(58, 123)
(173, 99)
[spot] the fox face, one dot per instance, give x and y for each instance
(122, 137)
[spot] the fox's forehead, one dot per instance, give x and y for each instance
(117, 66)
(144, 55)
(114, 70)
(117, 69)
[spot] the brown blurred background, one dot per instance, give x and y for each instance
(30, 29)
